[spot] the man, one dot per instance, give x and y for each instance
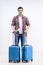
(20, 25)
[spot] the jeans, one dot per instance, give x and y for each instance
(20, 36)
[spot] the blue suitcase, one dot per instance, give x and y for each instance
(27, 53)
(14, 54)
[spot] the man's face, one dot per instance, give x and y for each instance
(20, 11)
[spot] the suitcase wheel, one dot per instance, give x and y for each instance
(31, 60)
(10, 61)
(25, 61)
(14, 61)
(22, 60)
(18, 61)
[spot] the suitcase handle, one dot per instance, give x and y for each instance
(14, 45)
(26, 45)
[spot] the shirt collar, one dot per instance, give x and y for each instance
(18, 16)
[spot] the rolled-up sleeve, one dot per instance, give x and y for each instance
(27, 22)
(13, 21)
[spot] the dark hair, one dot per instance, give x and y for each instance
(20, 8)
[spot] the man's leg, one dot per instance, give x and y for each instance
(16, 40)
(23, 40)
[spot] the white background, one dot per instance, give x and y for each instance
(33, 9)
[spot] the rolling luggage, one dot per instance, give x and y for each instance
(27, 53)
(14, 53)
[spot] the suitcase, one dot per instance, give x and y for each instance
(27, 53)
(14, 53)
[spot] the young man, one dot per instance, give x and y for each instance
(20, 25)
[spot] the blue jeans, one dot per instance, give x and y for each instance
(20, 36)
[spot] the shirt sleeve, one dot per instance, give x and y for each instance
(13, 21)
(27, 22)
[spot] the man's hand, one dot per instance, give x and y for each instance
(14, 31)
(25, 31)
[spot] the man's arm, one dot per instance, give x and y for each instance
(27, 28)
(27, 25)
(13, 24)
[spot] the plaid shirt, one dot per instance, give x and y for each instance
(15, 22)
